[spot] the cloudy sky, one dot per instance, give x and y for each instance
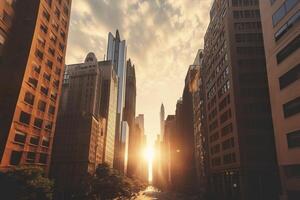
(162, 36)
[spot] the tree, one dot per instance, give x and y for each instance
(25, 183)
(109, 183)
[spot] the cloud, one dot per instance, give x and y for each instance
(162, 36)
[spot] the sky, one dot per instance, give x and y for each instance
(162, 37)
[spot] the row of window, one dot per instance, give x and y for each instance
(29, 99)
(20, 138)
(15, 157)
(25, 118)
(241, 14)
(288, 50)
(247, 26)
(283, 10)
(43, 89)
(291, 108)
(287, 26)
(293, 139)
(227, 159)
(249, 38)
(244, 3)
(289, 77)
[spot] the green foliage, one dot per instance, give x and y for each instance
(108, 184)
(25, 183)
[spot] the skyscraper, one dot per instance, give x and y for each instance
(79, 138)
(162, 122)
(116, 52)
(281, 30)
(31, 77)
(240, 132)
(108, 108)
(129, 117)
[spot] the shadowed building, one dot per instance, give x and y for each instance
(31, 77)
(79, 138)
(129, 117)
(281, 29)
(242, 158)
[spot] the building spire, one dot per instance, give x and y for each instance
(117, 34)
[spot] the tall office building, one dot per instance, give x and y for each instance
(200, 127)
(129, 117)
(78, 142)
(109, 108)
(6, 19)
(30, 84)
(162, 122)
(241, 141)
(281, 30)
(116, 52)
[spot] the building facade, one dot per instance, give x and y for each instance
(162, 122)
(78, 143)
(242, 161)
(34, 60)
(281, 29)
(108, 108)
(129, 117)
(117, 52)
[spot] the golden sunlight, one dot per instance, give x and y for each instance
(149, 156)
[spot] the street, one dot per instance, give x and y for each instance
(152, 193)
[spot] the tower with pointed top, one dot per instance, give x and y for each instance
(162, 121)
(116, 52)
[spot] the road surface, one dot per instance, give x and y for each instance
(152, 193)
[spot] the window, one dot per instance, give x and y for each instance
(290, 23)
(51, 51)
(283, 10)
(289, 77)
(48, 125)
(42, 106)
(53, 38)
(33, 82)
(227, 144)
(45, 142)
(43, 158)
(44, 28)
(24, 118)
(46, 15)
(31, 157)
(49, 2)
(49, 64)
(38, 123)
(34, 140)
(37, 68)
(229, 158)
(51, 110)
(29, 98)
(39, 54)
(293, 139)
(291, 108)
(288, 50)
(44, 90)
(227, 129)
(47, 76)
(57, 12)
(15, 157)
(20, 137)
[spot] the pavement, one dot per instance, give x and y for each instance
(152, 193)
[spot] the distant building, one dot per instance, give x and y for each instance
(31, 70)
(162, 122)
(116, 52)
(77, 148)
(108, 109)
(142, 167)
(281, 29)
(242, 158)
